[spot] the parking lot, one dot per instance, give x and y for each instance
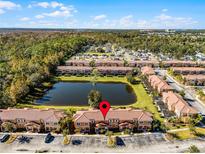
(88, 143)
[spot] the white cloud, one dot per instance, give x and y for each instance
(163, 17)
(39, 16)
(100, 17)
(156, 22)
(58, 14)
(60, 10)
(29, 6)
(126, 21)
(43, 4)
(52, 4)
(8, 5)
(56, 4)
(2, 11)
(25, 19)
(164, 10)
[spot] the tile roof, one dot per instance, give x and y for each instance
(121, 114)
(147, 70)
(49, 115)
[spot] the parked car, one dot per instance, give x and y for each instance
(5, 138)
(49, 138)
(24, 139)
(119, 141)
(76, 142)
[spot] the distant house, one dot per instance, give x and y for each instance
(196, 80)
(109, 63)
(114, 70)
(178, 105)
(147, 71)
(78, 63)
(178, 63)
(115, 119)
(33, 120)
(188, 70)
(159, 84)
(74, 70)
(143, 63)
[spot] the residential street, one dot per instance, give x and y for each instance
(191, 99)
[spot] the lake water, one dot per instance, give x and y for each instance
(76, 93)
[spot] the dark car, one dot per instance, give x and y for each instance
(49, 138)
(24, 139)
(119, 141)
(5, 138)
(76, 142)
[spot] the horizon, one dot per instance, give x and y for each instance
(78, 14)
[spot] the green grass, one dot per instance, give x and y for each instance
(187, 134)
(144, 101)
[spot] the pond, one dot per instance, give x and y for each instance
(76, 93)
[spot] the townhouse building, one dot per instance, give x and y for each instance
(114, 70)
(159, 84)
(74, 70)
(32, 120)
(188, 70)
(147, 71)
(119, 119)
(178, 105)
(195, 80)
(178, 63)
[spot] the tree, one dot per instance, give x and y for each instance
(95, 73)
(182, 93)
(194, 149)
(94, 98)
(66, 125)
(130, 78)
(92, 63)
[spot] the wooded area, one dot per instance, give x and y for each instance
(29, 58)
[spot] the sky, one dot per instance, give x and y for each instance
(103, 14)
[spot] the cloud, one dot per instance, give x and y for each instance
(52, 4)
(100, 17)
(60, 10)
(29, 6)
(58, 13)
(160, 21)
(7, 5)
(39, 16)
(24, 19)
(126, 21)
(164, 10)
(2, 11)
(43, 4)
(56, 4)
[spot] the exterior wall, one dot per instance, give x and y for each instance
(139, 125)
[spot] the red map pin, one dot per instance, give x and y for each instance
(104, 108)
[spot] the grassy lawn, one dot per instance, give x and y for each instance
(144, 101)
(186, 134)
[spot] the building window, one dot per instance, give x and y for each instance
(78, 124)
